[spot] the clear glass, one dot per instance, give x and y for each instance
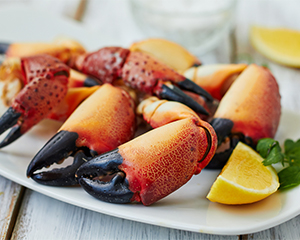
(199, 25)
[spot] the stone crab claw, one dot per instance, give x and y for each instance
(156, 163)
(105, 120)
(215, 78)
(45, 81)
(250, 110)
(142, 72)
(168, 52)
(62, 48)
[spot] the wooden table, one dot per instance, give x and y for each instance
(26, 214)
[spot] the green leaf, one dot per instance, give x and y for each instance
(291, 147)
(292, 151)
(274, 156)
(288, 145)
(289, 177)
(269, 149)
(264, 146)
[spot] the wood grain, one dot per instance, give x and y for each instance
(42, 217)
(10, 196)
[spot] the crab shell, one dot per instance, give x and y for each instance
(102, 121)
(215, 78)
(253, 104)
(167, 52)
(61, 48)
(172, 155)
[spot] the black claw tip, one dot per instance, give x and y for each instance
(114, 191)
(219, 160)
(222, 127)
(61, 176)
(13, 135)
(189, 85)
(175, 94)
(59, 147)
(4, 47)
(197, 64)
(90, 82)
(8, 119)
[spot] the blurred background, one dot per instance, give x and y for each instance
(128, 21)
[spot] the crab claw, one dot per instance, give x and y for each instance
(250, 110)
(103, 64)
(46, 87)
(117, 187)
(102, 122)
(61, 48)
(153, 165)
(60, 146)
(215, 78)
(141, 72)
(168, 52)
(74, 97)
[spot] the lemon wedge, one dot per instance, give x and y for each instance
(278, 44)
(244, 179)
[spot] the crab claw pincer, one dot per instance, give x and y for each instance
(105, 120)
(155, 164)
(45, 79)
(142, 72)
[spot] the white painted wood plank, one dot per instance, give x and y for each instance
(288, 230)
(10, 193)
(44, 218)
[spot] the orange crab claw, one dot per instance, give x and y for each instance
(70, 102)
(170, 53)
(250, 110)
(153, 165)
(253, 104)
(61, 48)
(46, 81)
(215, 78)
(102, 122)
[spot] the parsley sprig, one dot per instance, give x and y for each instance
(270, 149)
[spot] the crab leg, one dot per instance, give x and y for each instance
(102, 122)
(155, 164)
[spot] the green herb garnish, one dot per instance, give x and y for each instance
(270, 149)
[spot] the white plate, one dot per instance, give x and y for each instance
(187, 208)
